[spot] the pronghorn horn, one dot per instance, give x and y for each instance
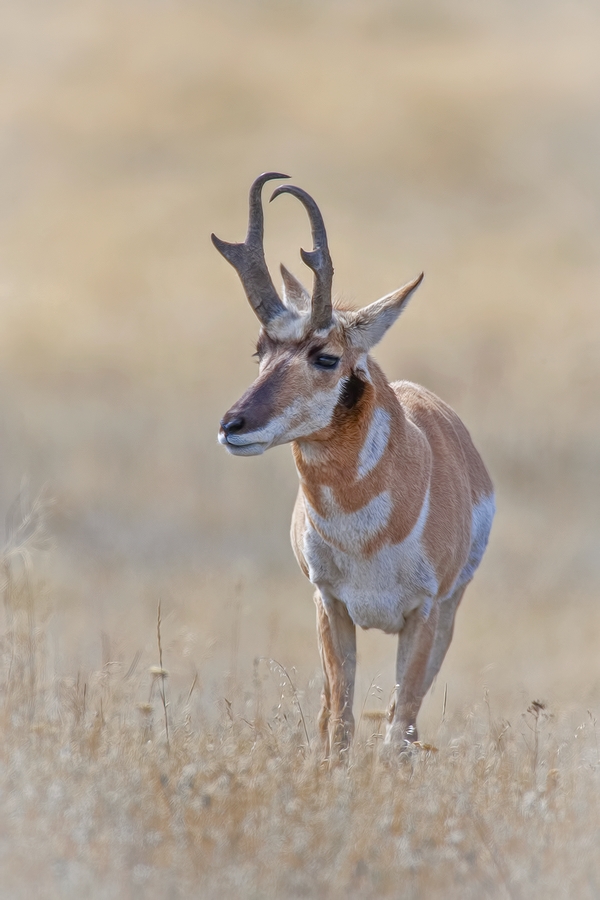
(248, 258)
(317, 259)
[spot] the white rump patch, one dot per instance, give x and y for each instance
(376, 442)
(481, 524)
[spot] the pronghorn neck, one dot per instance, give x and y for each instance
(355, 448)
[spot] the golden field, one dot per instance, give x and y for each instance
(460, 139)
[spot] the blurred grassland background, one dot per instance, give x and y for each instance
(457, 138)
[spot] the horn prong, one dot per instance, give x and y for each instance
(248, 257)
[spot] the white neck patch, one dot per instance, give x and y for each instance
(376, 442)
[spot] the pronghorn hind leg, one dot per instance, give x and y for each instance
(337, 643)
(443, 636)
(422, 647)
(415, 643)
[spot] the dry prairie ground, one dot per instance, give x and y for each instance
(457, 138)
(115, 785)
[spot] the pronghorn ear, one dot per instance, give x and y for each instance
(295, 295)
(369, 325)
(361, 368)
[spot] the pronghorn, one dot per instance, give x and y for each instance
(395, 504)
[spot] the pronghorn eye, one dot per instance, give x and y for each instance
(324, 361)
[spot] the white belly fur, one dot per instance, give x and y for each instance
(381, 589)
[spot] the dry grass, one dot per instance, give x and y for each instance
(452, 137)
(113, 786)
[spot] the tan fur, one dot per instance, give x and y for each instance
(458, 479)
(428, 447)
(429, 451)
(394, 507)
(406, 474)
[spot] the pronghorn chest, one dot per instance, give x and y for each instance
(350, 559)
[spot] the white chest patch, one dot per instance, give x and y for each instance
(353, 530)
(376, 442)
(378, 590)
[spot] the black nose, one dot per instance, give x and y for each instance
(234, 426)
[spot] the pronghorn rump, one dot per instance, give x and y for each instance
(395, 504)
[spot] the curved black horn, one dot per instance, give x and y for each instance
(248, 258)
(317, 259)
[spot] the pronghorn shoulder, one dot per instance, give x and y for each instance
(445, 431)
(418, 401)
(426, 410)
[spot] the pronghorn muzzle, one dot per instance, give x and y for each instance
(250, 426)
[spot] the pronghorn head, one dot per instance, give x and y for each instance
(312, 357)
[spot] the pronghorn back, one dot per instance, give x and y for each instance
(395, 504)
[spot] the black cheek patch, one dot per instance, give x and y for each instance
(352, 391)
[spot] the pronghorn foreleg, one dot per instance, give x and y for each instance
(337, 643)
(415, 643)
(325, 711)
